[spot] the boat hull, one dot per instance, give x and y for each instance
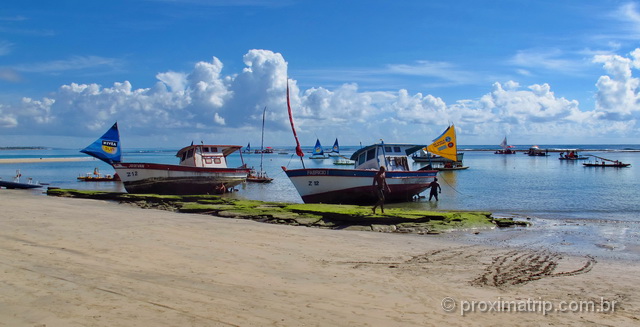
(175, 179)
(451, 168)
(355, 186)
(606, 165)
(437, 159)
(18, 185)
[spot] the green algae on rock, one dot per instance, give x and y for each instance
(351, 217)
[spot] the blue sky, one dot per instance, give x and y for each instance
(171, 72)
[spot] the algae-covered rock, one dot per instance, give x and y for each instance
(350, 217)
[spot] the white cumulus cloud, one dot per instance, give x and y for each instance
(227, 106)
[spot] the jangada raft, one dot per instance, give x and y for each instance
(202, 169)
(604, 162)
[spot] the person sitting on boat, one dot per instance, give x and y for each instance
(435, 189)
(571, 155)
(380, 184)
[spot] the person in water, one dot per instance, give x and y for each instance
(380, 184)
(435, 189)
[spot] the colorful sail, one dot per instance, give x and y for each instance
(295, 135)
(107, 147)
(336, 147)
(317, 149)
(445, 145)
(248, 147)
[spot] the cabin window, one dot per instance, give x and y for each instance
(217, 161)
(190, 153)
(214, 149)
(387, 149)
(208, 161)
(206, 150)
(371, 154)
(361, 158)
(396, 149)
(184, 156)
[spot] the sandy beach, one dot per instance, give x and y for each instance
(76, 262)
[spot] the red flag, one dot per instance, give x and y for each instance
(295, 135)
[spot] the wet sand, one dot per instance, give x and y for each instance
(77, 262)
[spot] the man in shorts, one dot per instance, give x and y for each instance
(380, 184)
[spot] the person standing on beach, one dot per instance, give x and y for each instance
(380, 184)
(435, 189)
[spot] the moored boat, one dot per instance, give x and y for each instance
(96, 176)
(335, 150)
(318, 152)
(571, 155)
(604, 162)
(260, 176)
(202, 169)
(506, 148)
(535, 151)
(335, 185)
(17, 184)
(423, 155)
(355, 186)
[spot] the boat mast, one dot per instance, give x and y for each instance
(262, 141)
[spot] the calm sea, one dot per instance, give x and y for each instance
(588, 209)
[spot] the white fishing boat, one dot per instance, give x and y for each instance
(355, 186)
(335, 185)
(202, 169)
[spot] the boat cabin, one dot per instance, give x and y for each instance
(392, 156)
(206, 156)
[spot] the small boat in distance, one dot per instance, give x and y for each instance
(335, 150)
(423, 155)
(318, 152)
(96, 176)
(571, 155)
(506, 149)
(202, 168)
(604, 162)
(16, 184)
(535, 151)
(260, 176)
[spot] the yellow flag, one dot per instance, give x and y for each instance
(445, 145)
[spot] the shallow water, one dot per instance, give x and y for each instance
(575, 208)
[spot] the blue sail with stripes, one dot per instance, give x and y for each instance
(107, 147)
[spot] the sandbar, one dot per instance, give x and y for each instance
(81, 262)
